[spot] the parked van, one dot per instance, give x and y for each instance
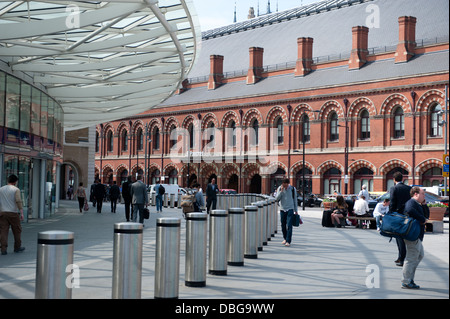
(169, 188)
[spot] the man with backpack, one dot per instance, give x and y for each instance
(287, 197)
(159, 192)
(414, 249)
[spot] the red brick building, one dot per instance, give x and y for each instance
(357, 85)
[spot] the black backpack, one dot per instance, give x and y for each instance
(161, 190)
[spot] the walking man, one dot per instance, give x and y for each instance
(114, 194)
(414, 249)
(211, 195)
(126, 188)
(287, 196)
(399, 194)
(99, 194)
(159, 196)
(139, 199)
(11, 213)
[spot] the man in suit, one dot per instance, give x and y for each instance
(114, 194)
(126, 188)
(139, 199)
(99, 194)
(399, 194)
(211, 195)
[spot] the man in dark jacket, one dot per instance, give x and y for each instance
(99, 194)
(399, 194)
(126, 195)
(211, 195)
(414, 249)
(114, 194)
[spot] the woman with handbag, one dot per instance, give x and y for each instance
(81, 196)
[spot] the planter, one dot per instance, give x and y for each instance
(437, 213)
(329, 205)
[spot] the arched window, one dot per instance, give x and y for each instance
(110, 141)
(156, 138)
(332, 181)
(435, 129)
(172, 136)
(364, 118)
(399, 123)
(211, 133)
(280, 130)
(191, 135)
(432, 177)
(124, 140)
(334, 132)
(139, 140)
(97, 142)
(305, 129)
(232, 134)
(255, 127)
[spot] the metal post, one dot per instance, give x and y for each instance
(196, 234)
(54, 259)
(166, 199)
(268, 219)
(179, 201)
(264, 231)
(218, 242)
(127, 261)
(251, 234)
(220, 204)
(172, 200)
(236, 221)
(153, 199)
(167, 261)
(273, 216)
(259, 224)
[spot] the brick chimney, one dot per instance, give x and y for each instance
(406, 39)
(256, 65)
(216, 72)
(360, 43)
(305, 56)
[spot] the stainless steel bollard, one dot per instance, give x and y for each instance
(172, 200)
(236, 233)
(251, 233)
(219, 201)
(179, 201)
(218, 242)
(166, 200)
(259, 225)
(127, 261)
(266, 225)
(153, 199)
(196, 236)
(273, 217)
(167, 261)
(54, 261)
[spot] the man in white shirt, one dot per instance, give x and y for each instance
(11, 213)
(361, 208)
(380, 210)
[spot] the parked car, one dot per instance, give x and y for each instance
(429, 198)
(227, 191)
(312, 200)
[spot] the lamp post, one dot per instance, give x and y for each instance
(101, 152)
(289, 107)
(413, 95)
(346, 149)
(241, 113)
(162, 151)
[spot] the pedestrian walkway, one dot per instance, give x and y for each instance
(323, 263)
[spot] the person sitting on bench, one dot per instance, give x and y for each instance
(361, 209)
(340, 212)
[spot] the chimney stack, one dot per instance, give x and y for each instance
(407, 39)
(216, 72)
(305, 56)
(255, 69)
(360, 44)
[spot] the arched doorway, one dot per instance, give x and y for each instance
(332, 181)
(390, 177)
(233, 182)
(255, 184)
(432, 177)
(276, 179)
(363, 176)
(69, 178)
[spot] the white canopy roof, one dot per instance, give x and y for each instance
(101, 61)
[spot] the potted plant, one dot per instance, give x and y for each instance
(437, 211)
(329, 203)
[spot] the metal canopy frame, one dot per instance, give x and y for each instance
(101, 60)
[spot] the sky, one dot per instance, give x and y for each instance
(217, 13)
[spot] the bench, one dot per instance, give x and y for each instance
(361, 219)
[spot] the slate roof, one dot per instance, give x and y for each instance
(332, 35)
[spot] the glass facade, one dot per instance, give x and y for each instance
(31, 136)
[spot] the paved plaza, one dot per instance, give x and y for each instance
(322, 263)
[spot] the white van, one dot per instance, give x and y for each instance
(170, 189)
